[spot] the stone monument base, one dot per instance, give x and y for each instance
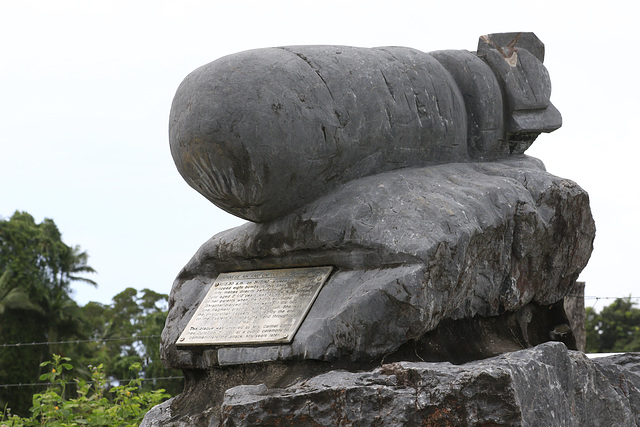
(544, 385)
(413, 251)
(447, 254)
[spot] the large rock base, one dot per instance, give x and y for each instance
(412, 250)
(547, 385)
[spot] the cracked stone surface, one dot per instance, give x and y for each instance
(411, 249)
(405, 172)
(547, 385)
(263, 132)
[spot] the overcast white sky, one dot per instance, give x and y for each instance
(86, 87)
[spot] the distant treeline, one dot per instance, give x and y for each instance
(36, 272)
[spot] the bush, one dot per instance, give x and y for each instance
(95, 405)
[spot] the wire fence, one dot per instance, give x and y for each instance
(595, 300)
(132, 338)
(175, 377)
(138, 338)
(25, 344)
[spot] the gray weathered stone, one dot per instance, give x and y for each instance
(404, 172)
(516, 59)
(543, 386)
(411, 249)
(574, 308)
(261, 133)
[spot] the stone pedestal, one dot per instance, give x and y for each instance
(547, 385)
(403, 173)
(487, 251)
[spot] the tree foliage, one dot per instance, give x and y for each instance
(615, 329)
(13, 297)
(127, 332)
(37, 258)
(95, 403)
(36, 272)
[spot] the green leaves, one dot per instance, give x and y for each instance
(95, 405)
(14, 298)
(615, 329)
(138, 317)
(36, 272)
(37, 257)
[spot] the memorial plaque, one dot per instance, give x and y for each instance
(255, 307)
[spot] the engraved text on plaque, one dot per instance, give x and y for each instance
(255, 307)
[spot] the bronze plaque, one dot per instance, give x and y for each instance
(255, 307)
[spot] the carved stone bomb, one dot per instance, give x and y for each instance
(261, 133)
(401, 175)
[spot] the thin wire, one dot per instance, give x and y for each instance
(158, 336)
(594, 297)
(90, 382)
(24, 344)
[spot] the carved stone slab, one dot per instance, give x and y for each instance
(254, 307)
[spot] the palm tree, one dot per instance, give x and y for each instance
(62, 318)
(74, 262)
(13, 298)
(60, 312)
(36, 270)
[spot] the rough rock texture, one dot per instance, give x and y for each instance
(526, 83)
(575, 311)
(543, 386)
(411, 249)
(303, 120)
(405, 172)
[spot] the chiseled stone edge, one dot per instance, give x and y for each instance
(544, 385)
(371, 227)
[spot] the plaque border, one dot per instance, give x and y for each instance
(284, 340)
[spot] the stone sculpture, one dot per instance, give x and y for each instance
(310, 118)
(543, 386)
(402, 170)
